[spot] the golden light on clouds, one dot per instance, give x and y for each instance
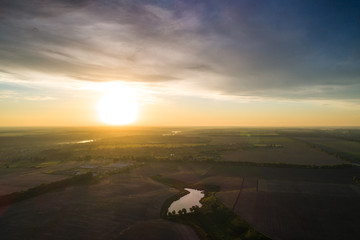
(178, 64)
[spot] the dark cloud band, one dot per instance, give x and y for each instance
(273, 48)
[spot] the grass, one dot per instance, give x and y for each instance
(217, 222)
(48, 164)
(213, 220)
(132, 198)
(356, 180)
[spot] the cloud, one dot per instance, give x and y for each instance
(39, 98)
(284, 50)
(14, 95)
(7, 94)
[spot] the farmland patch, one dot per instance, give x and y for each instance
(290, 153)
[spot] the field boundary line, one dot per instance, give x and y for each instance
(238, 196)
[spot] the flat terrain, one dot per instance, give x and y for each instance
(107, 210)
(295, 209)
(291, 203)
(158, 230)
(281, 150)
(301, 216)
(336, 145)
(24, 179)
(305, 191)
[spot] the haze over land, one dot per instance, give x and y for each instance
(203, 63)
(118, 183)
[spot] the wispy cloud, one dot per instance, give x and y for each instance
(8, 94)
(213, 49)
(39, 98)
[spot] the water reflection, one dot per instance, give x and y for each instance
(191, 199)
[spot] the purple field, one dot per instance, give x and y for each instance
(302, 194)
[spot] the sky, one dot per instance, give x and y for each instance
(187, 63)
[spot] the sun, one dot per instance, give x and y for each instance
(118, 106)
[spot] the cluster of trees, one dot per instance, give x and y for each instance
(268, 145)
(215, 221)
(339, 154)
(183, 211)
(44, 188)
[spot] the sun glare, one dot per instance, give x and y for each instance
(118, 106)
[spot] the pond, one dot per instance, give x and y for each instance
(83, 141)
(187, 201)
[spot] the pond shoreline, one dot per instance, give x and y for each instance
(186, 203)
(213, 220)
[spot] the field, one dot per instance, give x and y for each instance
(290, 152)
(338, 147)
(24, 179)
(274, 179)
(106, 210)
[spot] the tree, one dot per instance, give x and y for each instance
(184, 211)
